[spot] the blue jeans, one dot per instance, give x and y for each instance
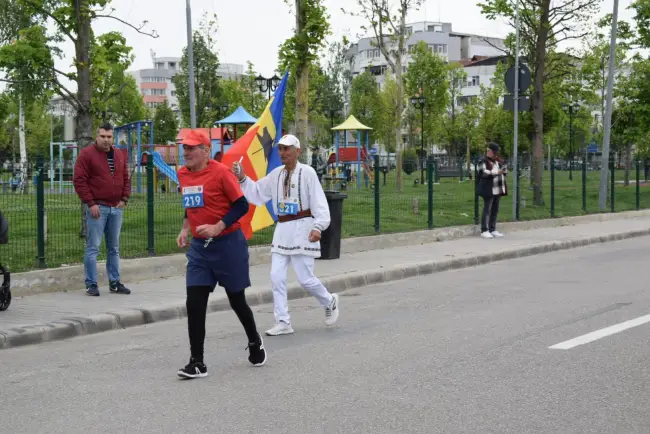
(108, 225)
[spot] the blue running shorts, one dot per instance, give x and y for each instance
(224, 261)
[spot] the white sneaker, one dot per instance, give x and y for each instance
(497, 234)
(279, 329)
(332, 311)
(487, 235)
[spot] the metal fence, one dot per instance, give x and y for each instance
(45, 220)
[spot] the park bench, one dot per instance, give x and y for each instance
(449, 170)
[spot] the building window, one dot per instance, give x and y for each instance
(173, 93)
(377, 70)
(440, 49)
(154, 92)
(476, 80)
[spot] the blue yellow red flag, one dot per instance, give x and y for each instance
(259, 153)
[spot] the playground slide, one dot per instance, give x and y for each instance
(163, 167)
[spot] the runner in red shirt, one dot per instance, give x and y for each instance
(218, 252)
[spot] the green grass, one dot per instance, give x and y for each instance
(399, 212)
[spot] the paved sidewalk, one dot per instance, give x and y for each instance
(164, 298)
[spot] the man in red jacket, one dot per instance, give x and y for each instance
(101, 180)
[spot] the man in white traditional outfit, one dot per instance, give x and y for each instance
(303, 213)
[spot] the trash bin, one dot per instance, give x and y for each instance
(330, 242)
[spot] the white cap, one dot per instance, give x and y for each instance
(290, 140)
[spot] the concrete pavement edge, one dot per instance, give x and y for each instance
(71, 277)
(80, 326)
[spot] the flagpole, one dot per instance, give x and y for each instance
(190, 63)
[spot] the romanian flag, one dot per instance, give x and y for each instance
(260, 156)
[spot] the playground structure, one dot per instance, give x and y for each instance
(166, 158)
(239, 117)
(136, 128)
(352, 155)
(62, 146)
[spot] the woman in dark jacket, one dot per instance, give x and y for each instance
(491, 186)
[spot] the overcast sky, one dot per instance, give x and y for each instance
(254, 29)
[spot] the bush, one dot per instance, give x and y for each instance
(409, 161)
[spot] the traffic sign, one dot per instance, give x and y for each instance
(509, 103)
(524, 79)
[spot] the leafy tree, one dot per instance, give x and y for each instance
(165, 124)
(365, 101)
(427, 76)
(299, 53)
(71, 21)
(392, 118)
(595, 58)
(128, 105)
(6, 133)
(544, 25)
(242, 91)
(495, 123)
(389, 36)
(316, 96)
(338, 77)
(206, 78)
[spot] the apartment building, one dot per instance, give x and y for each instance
(452, 46)
(156, 83)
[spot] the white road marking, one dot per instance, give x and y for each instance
(598, 334)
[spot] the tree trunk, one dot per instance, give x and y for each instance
(538, 104)
(302, 86)
(22, 187)
(399, 144)
(628, 163)
(469, 163)
(84, 117)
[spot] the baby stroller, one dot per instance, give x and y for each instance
(5, 289)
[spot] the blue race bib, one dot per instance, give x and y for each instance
(287, 208)
(193, 197)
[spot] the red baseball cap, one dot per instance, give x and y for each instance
(196, 138)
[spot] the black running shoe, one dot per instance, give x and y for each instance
(118, 288)
(93, 291)
(194, 369)
(257, 353)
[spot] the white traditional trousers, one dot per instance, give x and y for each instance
(304, 268)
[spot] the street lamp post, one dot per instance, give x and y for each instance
(571, 108)
(267, 84)
(333, 113)
(418, 102)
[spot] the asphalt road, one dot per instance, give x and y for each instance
(458, 352)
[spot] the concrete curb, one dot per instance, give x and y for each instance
(134, 270)
(80, 326)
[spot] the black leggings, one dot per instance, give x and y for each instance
(197, 305)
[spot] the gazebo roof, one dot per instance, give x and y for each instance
(351, 123)
(239, 116)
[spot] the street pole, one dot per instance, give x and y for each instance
(604, 170)
(51, 171)
(422, 160)
(571, 142)
(190, 64)
(516, 115)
